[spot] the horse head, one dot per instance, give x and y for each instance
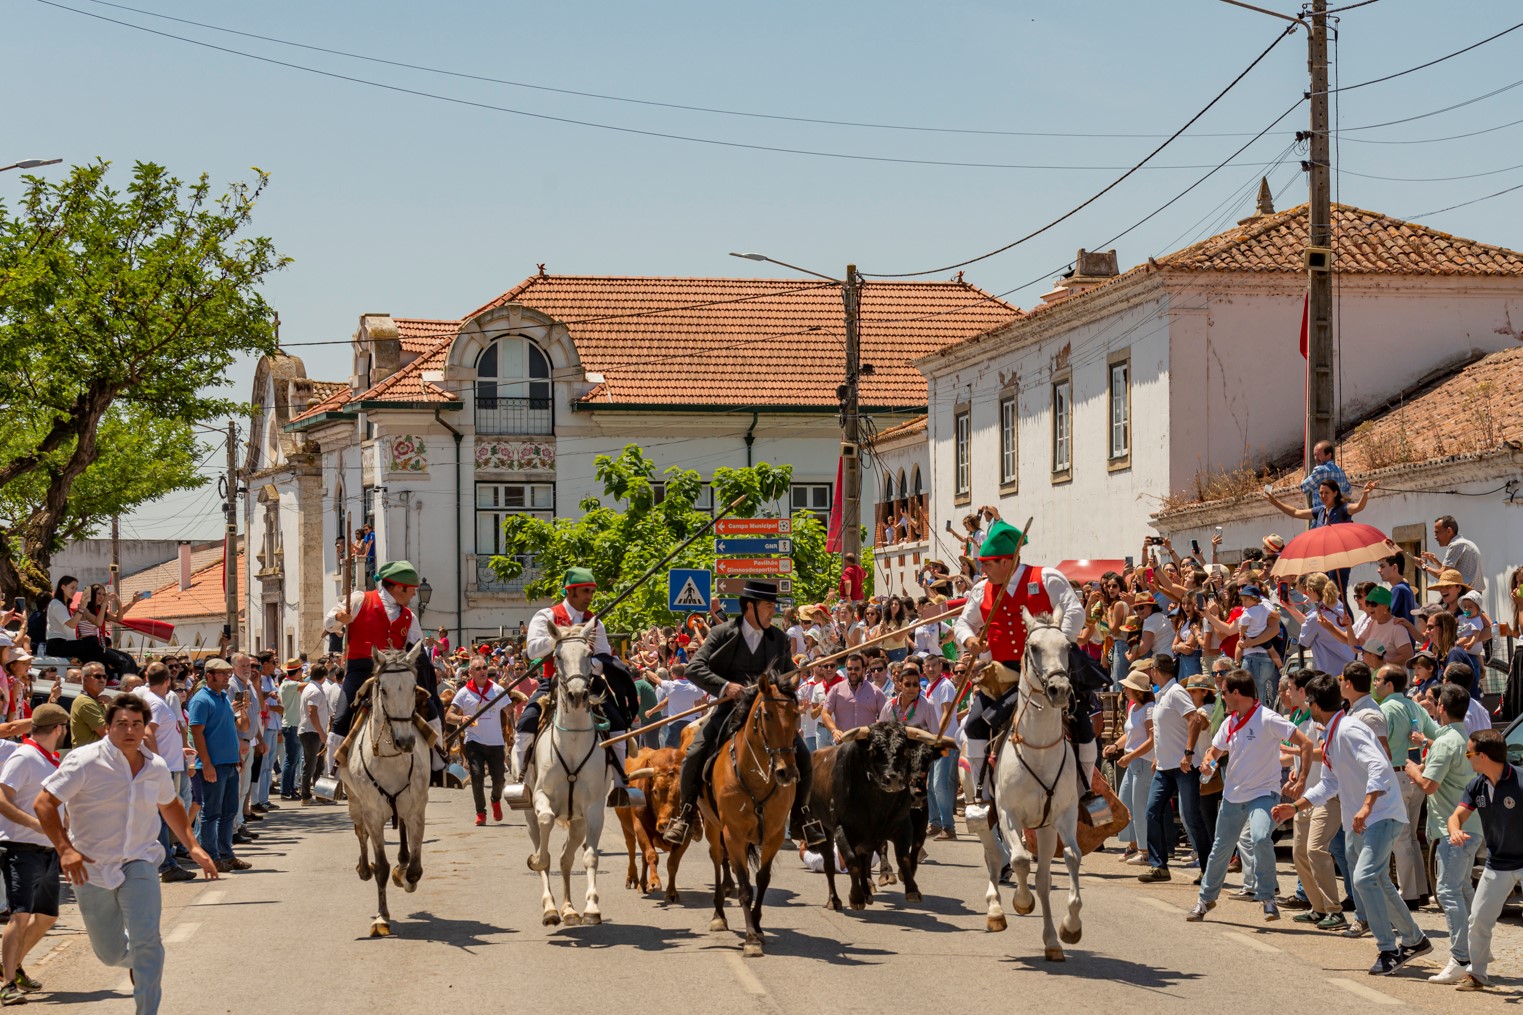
(574, 668)
(776, 712)
(1045, 666)
(395, 696)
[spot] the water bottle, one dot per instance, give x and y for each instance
(1207, 770)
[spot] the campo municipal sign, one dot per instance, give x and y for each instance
(735, 586)
(733, 605)
(752, 546)
(754, 565)
(754, 527)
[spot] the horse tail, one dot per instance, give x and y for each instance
(753, 857)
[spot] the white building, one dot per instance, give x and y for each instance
(1123, 393)
(447, 427)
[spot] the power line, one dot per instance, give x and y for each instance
(1430, 63)
(1465, 204)
(1435, 140)
(1109, 187)
(1446, 109)
(1432, 179)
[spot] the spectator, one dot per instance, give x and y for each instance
(166, 738)
(1315, 829)
(1174, 737)
(29, 862)
(1496, 793)
(647, 688)
(87, 716)
(1332, 509)
(486, 738)
(1324, 468)
(852, 703)
(1406, 724)
(116, 791)
(1256, 628)
(1460, 554)
(941, 690)
(290, 728)
(1383, 640)
(1476, 717)
(1473, 631)
(1189, 636)
(1133, 752)
(1155, 637)
(1329, 652)
(909, 706)
(316, 711)
(679, 695)
(214, 731)
(64, 638)
(269, 734)
(245, 700)
(852, 578)
(1443, 779)
(1393, 570)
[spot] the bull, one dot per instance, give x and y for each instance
(657, 773)
(923, 752)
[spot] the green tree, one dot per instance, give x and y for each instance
(620, 543)
(116, 310)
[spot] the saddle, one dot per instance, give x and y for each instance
(362, 715)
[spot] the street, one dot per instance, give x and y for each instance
(293, 931)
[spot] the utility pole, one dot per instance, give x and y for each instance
(851, 433)
(230, 544)
(1320, 417)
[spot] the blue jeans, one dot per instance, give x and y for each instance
(123, 925)
(1230, 820)
(1455, 894)
(1120, 664)
(1189, 666)
(291, 767)
(1265, 677)
(1384, 911)
(1338, 848)
(219, 805)
(261, 794)
(1136, 784)
(166, 839)
(672, 732)
(1167, 784)
(942, 790)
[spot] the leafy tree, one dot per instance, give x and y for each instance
(621, 543)
(116, 310)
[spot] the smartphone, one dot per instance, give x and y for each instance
(1200, 601)
(1149, 573)
(1195, 547)
(1129, 563)
(1284, 591)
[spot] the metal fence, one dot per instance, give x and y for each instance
(487, 579)
(514, 416)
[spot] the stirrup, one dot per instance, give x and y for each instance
(814, 835)
(679, 828)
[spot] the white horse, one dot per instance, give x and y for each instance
(386, 778)
(570, 780)
(1036, 787)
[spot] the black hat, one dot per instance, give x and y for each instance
(759, 591)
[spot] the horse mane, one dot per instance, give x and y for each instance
(1045, 620)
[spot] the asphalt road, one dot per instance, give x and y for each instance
(294, 931)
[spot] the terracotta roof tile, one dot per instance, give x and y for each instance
(906, 429)
(204, 597)
(408, 385)
(732, 341)
(154, 578)
(420, 334)
(335, 399)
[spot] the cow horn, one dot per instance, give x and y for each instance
(860, 733)
(641, 773)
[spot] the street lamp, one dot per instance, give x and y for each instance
(785, 264)
(30, 164)
(425, 593)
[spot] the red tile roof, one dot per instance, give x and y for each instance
(205, 596)
(154, 578)
(906, 429)
(743, 342)
(408, 385)
(420, 334)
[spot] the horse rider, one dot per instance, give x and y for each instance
(579, 588)
(733, 657)
(1037, 589)
(381, 619)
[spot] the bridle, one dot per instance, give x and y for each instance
(385, 722)
(562, 697)
(758, 717)
(1041, 688)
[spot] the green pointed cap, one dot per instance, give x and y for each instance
(1004, 540)
(400, 571)
(579, 576)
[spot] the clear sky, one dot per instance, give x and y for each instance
(404, 204)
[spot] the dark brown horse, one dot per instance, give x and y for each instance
(750, 795)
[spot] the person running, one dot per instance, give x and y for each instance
(487, 737)
(1496, 793)
(29, 862)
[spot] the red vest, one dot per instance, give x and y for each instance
(562, 618)
(1007, 631)
(370, 629)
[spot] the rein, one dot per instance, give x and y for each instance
(1028, 697)
(754, 720)
(557, 727)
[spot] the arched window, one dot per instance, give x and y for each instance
(915, 488)
(513, 391)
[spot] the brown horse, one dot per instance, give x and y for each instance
(750, 795)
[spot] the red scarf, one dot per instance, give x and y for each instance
(47, 754)
(480, 692)
(1327, 738)
(939, 681)
(1233, 727)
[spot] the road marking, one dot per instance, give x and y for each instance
(209, 898)
(181, 933)
(1252, 942)
(748, 981)
(1167, 907)
(1360, 990)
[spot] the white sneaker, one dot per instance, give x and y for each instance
(1452, 973)
(1137, 860)
(1356, 928)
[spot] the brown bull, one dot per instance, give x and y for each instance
(657, 773)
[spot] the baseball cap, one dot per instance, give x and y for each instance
(1252, 591)
(1378, 596)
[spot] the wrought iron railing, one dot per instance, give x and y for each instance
(487, 579)
(524, 416)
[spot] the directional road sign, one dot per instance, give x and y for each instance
(733, 605)
(734, 586)
(752, 546)
(688, 590)
(754, 527)
(754, 565)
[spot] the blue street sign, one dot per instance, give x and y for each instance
(733, 605)
(688, 590)
(754, 546)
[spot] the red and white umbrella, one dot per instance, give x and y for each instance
(1332, 547)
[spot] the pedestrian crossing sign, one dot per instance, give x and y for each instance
(688, 590)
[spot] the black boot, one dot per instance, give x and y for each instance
(678, 829)
(803, 822)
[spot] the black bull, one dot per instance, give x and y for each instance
(870, 791)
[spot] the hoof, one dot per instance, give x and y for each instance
(857, 905)
(995, 924)
(912, 897)
(752, 950)
(364, 872)
(717, 924)
(1054, 955)
(396, 876)
(551, 919)
(834, 904)
(573, 920)
(672, 896)
(411, 886)
(1023, 908)
(887, 879)
(593, 919)
(1070, 937)
(380, 929)
(537, 865)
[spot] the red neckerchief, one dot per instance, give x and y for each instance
(481, 691)
(939, 681)
(49, 755)
(833, 681)
(1233, 727)
(1327, 738)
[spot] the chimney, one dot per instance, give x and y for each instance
(380, 338)
(1264, 206)
(184, 566)
(1091, 268)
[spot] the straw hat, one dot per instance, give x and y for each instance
(1449, 578)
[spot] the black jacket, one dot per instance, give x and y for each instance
(725, 658)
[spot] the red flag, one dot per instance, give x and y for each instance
(833, 537)
(1305, 322)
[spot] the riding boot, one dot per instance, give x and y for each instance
(618, 793)
(677, 830)
(978, 810)
(802, 821)
(520, 751)
(1091, 804)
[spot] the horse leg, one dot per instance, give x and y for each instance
(412, 833)
(592, 913)
(1046, 842)
(381, 925)
(1020, 864)
(752, 949)
(715, 846)
(363, 867)
(403, 857)
(763, 879)
(994, 861)
(576, 830)
(1072, 929)
(539, 860)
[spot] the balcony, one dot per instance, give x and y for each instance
(487, 579)
(514, 416)
(901, 521)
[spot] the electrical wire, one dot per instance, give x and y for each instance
(1430, 63)
(1464, 204)
(1433, 179)
(1446, 109)
(1436, 140)
(1109, 187)
(1349, 7)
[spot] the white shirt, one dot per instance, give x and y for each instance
(170, 735)
(537, 640)
(1251, 624)
(113, 817)
(1066, 608)
(1254, 768)
(919, 713)
(315, 696)
(486, 730)
(334, 692)
(24, 773)
(241, 685)
(1163, 634)
(796, 640)
(753, 635)
(1312, 729)
(808, 724)
(271, 697)
(58, 622)
(1171, 724)
(1476, 717)
(388, 603)
(1136, 727)
(928, 637)
(944, 692)
(1357, 766)
(681, 695)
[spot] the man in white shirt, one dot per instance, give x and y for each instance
(166, 736)
(941, 790)
(29, 863)
(1356, 769)
(1175, 731)
(486, 738)
(116, 791)
(315, 709)
(678, 695)
(579, 587)
(333, 690)
(1251, 787)
(1254, 633)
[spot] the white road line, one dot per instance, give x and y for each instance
(1167, 907)
(181, 933)
(748, 981)
(1251, 942)
(209, 898)
(1360, 990)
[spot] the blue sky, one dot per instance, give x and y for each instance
(400, 203)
